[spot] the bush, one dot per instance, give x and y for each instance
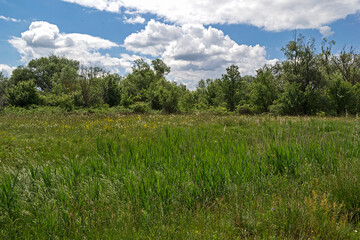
(140, 107)
(342, 96)
(23, 94)
(244, 109)
(219, 110)
(66, 102)
(291, 102)
(277, 109)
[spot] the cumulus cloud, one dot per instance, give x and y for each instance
(274, 15)
(43, 39)
(6, 70)
(9, 19)
(134, 20)
(194, 52)
(326, 31)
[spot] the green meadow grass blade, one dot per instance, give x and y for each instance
(113, 176)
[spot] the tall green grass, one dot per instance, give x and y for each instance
(111, 176)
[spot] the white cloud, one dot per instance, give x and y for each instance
(134, 20)
(326, 31)
(272, 15)
(9, 19)
(43, 39)
(194, 52)
(6, 70)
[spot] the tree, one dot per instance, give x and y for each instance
(291, 101)
(4, 83)
(21, 74)
(23, 94)
(111, 90)
(90, 81)
(46, 72)
(135, 85)
(186, 102)
(160, 68)
(167, 95)
(342, 96)
(232, 87)
(325, 58)
(264, 90)
(69, 79)
(302, 71)
(214, 93)
(301, 65)
(348, 64)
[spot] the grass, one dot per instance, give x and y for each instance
(113, 176)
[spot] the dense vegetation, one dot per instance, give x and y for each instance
(307, 83)
(112, 176)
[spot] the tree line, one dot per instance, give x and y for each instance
(306, 83)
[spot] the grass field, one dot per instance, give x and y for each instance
(113, 176)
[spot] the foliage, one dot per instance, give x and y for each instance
(186, 102)
(140, 107)
(232, 87)
(46, 72)
(23, 94)
(4, 83)
(105, 175)
(111, 90)
(264, 90)
(291, 101)
(306, 83)
(342, 96)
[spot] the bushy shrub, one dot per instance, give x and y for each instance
(219, 110)
(140, 107)
(23, 94)
(342, 96)
(245, 108)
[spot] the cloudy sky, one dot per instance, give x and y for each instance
(198, 39)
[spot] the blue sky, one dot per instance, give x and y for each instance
(198, 39)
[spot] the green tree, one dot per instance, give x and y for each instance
(91, 81)
(4, 84)
(290, 102)
(348, 65)
(166, 95)
(21, 74)
(200, 96)
(160, 68)
(325, 59)
(232, 87)
(302, 71)
(111, 90)
(187, 101)
(264, 90)
(342, 96)
(214, 93)
(69, 79)
(134, 87)
(47, 70)
(23, 94)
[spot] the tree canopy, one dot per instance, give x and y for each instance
(306, 83)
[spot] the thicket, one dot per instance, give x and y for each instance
(308, 82)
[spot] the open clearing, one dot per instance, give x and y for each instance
(113, 176)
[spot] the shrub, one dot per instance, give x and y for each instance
(23, 94)
(140, 107)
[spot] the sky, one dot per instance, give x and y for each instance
(198, 39)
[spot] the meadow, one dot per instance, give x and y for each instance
(128, 176)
